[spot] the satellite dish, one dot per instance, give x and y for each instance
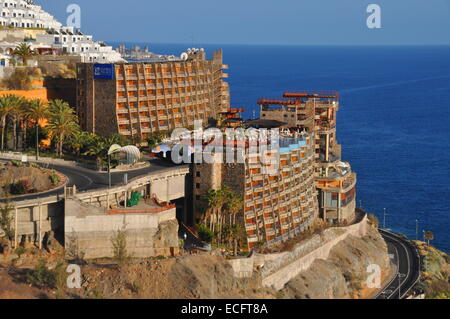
(184, 56)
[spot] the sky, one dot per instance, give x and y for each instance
(278, 22)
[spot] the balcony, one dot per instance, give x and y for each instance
(123, 121)
(122, 110)
(270, 232)
(249, 215)
(252, 238)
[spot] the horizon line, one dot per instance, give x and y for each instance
(281, 44)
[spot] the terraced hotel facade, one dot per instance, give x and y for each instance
(144, 98)
(280, 201)
(315, 113)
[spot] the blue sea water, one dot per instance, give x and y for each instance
(393, 124)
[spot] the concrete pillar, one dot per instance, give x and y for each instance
(151, 189)
(15, 227)
(40, 226)
(339, 208)
(327, 148)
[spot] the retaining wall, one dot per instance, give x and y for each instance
(34, 219)
(279, 268)
(89, 231)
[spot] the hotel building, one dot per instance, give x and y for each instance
(278, 203)
(315, 113)
(138, 99)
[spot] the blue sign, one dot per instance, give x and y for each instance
(104, 71)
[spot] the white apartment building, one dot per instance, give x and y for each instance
(26, 14)
(70, 41)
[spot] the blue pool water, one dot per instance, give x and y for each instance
(393, 124)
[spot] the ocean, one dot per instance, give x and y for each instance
(393, 123)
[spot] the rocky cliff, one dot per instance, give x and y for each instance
(344, 273)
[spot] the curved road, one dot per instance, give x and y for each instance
(86, 179)
(407, 260)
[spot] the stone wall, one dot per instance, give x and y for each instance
(89, 231)
(278, 269)
(18, 35)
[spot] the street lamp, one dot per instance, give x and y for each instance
(400, 285)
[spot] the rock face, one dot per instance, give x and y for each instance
(344, 272)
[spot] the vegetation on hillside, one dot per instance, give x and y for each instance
(119, 243)
(6, 219)
(22, 78)
(435, 281)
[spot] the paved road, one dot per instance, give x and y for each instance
(86, 179)
(407, 260)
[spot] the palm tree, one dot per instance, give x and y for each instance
(80, 140)
(429, 236)
(63, 122)
(233, 205)
(16, 112)
(37, 111)
(6, 107)
(24, 122)
(154, 140)
(24, 52)
(220, 203)
(213, 202)
(99, 149)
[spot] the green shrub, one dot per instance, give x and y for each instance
(54, 178)
(205, 234)
(41, 276)
(119, 243)
(21, 187)
(17, 163)
(373, 220)
(20, 251)
(6, 219)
